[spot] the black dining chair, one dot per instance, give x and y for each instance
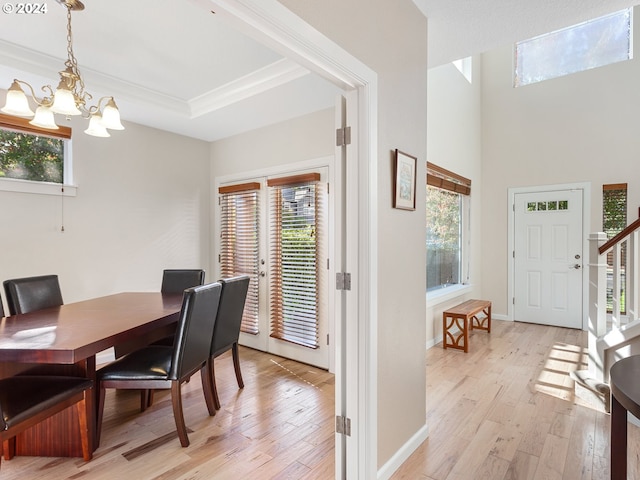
(29, 294)
(227, 330)
(173, 281)
(28, 400)
(165, 367)
(177, 280)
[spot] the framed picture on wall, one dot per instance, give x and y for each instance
(404, 181)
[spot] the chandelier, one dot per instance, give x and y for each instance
(69, 98)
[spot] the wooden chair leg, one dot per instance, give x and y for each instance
(81, 407)
(150, 397)
(207, 387)
(101, 395)
(144, 399)
(9, 448)
(236, 364)
(214, 387)
(178, 416)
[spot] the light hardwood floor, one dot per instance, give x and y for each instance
(280, 426)
(506, 410)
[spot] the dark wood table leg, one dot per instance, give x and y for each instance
(618, 440)
(92, 402)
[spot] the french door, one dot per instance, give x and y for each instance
(275, 229)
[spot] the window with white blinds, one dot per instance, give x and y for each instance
(240, 242)
(295, 252)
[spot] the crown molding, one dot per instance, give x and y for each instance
(259, 81)
(21, 59)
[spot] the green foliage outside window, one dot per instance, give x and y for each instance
(30, 157)
(444, 216)
(614, 220)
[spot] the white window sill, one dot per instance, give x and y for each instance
(445, 294)
(41, 188)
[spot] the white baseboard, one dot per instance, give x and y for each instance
(405, 452)
(500, 317)
(434, 341)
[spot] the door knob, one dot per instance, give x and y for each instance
(577, 266)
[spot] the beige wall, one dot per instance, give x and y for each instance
(578, 128)
(391, 38)
(454, 141)
(142, 205)
(303, 138)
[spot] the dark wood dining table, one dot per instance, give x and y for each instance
(625, 397)
(65, 340)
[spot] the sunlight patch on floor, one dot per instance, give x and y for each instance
(553, 378)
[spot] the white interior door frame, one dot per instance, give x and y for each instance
(586, 222)
(269, 22)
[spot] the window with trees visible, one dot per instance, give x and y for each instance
(32, 153)
(595, 43)
(296, 247)
(614, 220)
(447, 203)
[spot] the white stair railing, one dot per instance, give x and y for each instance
(608, 344)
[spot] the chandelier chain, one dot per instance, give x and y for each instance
(72, 63)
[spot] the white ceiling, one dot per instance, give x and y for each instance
(170, 65)
(178, 67)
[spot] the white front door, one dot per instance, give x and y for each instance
(548, 258)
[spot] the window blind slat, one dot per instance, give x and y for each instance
(295, 249)
(240, 242)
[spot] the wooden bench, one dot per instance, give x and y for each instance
(463, 316)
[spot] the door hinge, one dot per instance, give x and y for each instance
(343, 281)
(513, 300)
(219, 258)
(343, 425)
(343, 136)
(328, 339)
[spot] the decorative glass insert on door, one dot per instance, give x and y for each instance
(550, 206)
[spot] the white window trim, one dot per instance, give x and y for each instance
(445, 294)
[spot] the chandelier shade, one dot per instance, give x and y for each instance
(111, 116)
(69, 98)
(17, 102)
(44, 118)
(96, 127)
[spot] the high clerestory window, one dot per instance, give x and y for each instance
(595, 43)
